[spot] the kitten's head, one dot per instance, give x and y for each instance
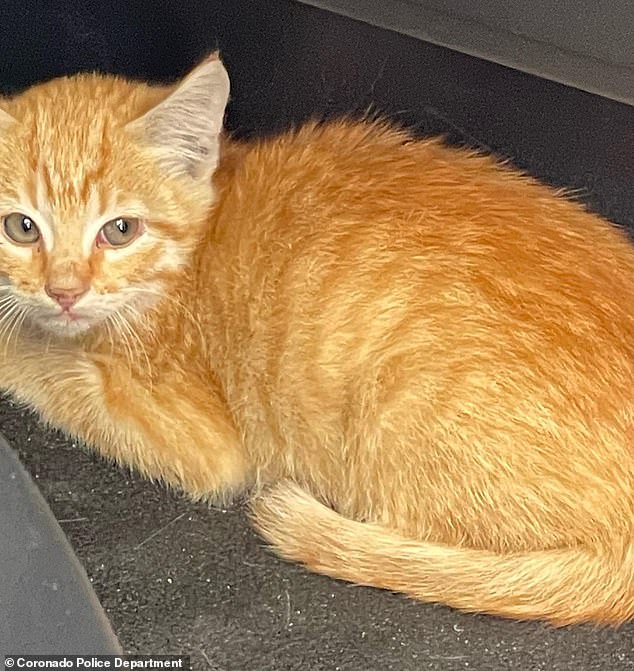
(104, 189)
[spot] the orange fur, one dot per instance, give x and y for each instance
(419, 360)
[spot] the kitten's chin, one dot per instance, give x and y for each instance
(64, 326)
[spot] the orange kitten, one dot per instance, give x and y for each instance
(419, 361)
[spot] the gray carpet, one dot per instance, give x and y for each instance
(176, 577)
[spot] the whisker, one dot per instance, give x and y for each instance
(7, 300)
(20, 321)
(133, 344)
(135, 336)
(178, 303)
(109, 327)
(10, 319)
(121, 330)
(140, 320)
(6, 315)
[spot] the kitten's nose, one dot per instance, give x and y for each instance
(66, 296)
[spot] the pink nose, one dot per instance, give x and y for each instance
(66, 297)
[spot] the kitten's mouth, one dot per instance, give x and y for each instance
(69, 315)
(66, 322)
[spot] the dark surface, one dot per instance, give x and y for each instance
(48, 604)
(180, 577)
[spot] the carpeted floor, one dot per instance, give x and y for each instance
(182, 578)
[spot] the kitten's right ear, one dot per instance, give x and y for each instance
(183, 130)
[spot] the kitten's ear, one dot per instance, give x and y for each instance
(184, 128)
(5, 119)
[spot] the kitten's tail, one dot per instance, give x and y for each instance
(564, 586)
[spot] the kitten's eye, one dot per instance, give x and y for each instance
(20, 229)
(119, 232)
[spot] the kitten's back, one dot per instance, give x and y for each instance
(467, 331)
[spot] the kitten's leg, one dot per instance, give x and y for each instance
(176, 428)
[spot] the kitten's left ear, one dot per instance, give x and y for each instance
(184, 128)
(5, 119)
